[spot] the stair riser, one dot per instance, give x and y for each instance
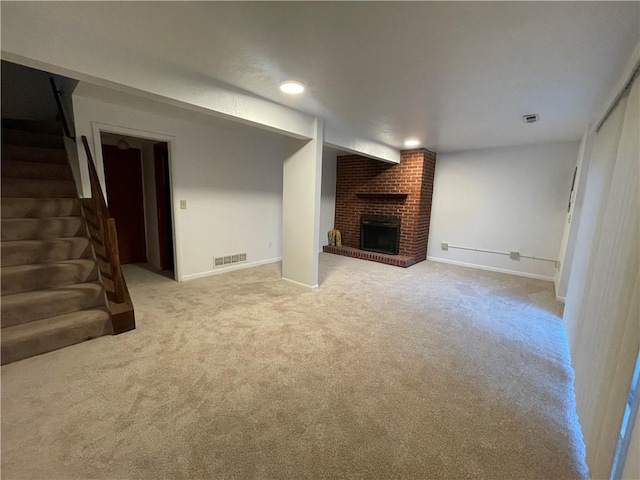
(21, 253)
(16, 311)
(38, 171)
(51, 295)
(35, 126)
(31, 229)
(21, 137)
(34, 154)
(20, 188)
(40, 207)
(25, 346)
(48, 276)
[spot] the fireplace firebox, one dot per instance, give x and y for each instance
(380, 234)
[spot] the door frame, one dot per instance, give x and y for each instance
(97, 130)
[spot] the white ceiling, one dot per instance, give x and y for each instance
(455, 75)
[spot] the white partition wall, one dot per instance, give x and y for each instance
(302, 174)
(565, 258)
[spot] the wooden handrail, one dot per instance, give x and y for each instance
(104, 236)
(63, 116)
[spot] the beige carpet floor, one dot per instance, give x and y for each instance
(430, 372)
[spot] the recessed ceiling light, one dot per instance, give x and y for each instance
(411, 142)
(292, 87)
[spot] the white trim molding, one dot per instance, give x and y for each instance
(490, 269)
(230, 268)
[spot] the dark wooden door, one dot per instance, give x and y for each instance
(163, 204)
(123, 175)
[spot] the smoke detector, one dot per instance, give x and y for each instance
(531, 118)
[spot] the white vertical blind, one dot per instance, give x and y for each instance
(601, 163)
(602, 311)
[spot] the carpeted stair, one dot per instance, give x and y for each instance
(51, 293)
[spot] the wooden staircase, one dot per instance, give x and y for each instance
(52, 287)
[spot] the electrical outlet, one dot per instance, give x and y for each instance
(183, 204)
(513, 255)
(218, 261)
(234, 258)
(444, 245)
(242, 257)
(227, 260)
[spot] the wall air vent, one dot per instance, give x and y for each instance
(532, 118)
(229, 259)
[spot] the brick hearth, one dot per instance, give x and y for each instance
(397, 260)
(371, 187)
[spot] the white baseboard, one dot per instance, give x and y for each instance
(302, 285)
(230, 268)
(561, 299)
(490, 269)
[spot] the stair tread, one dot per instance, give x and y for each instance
(20, 169)
(72, 289)
(16, 136)
(42, 336)
(32, 148)
(38, 188)
(47, 127)
(37, 266)
(41, 207)
(38, 276)
(59, 321)
(38, 304)
(22, 252)
(14, 229)
(40, 219)
(29, 153)
(52, 296)
(78, 239)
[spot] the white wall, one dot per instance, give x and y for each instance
(302, 176)
(230, 177)
(502, 199)
(328, 193)
(569, 235)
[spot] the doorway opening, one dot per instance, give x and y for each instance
(138, 190)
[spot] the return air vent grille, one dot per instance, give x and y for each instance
(229, 259)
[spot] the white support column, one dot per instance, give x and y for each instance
(302, 174)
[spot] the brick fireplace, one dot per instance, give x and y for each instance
(373, 189)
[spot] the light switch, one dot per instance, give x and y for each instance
(183, 204)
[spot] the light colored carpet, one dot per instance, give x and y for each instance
(429, 372)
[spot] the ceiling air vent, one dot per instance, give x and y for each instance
(533, 118)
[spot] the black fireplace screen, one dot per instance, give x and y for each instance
(380, 234)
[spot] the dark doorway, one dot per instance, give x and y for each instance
(123, 175)
(163, 204)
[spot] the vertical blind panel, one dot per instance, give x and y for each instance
(604, 305)
(602, 161)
